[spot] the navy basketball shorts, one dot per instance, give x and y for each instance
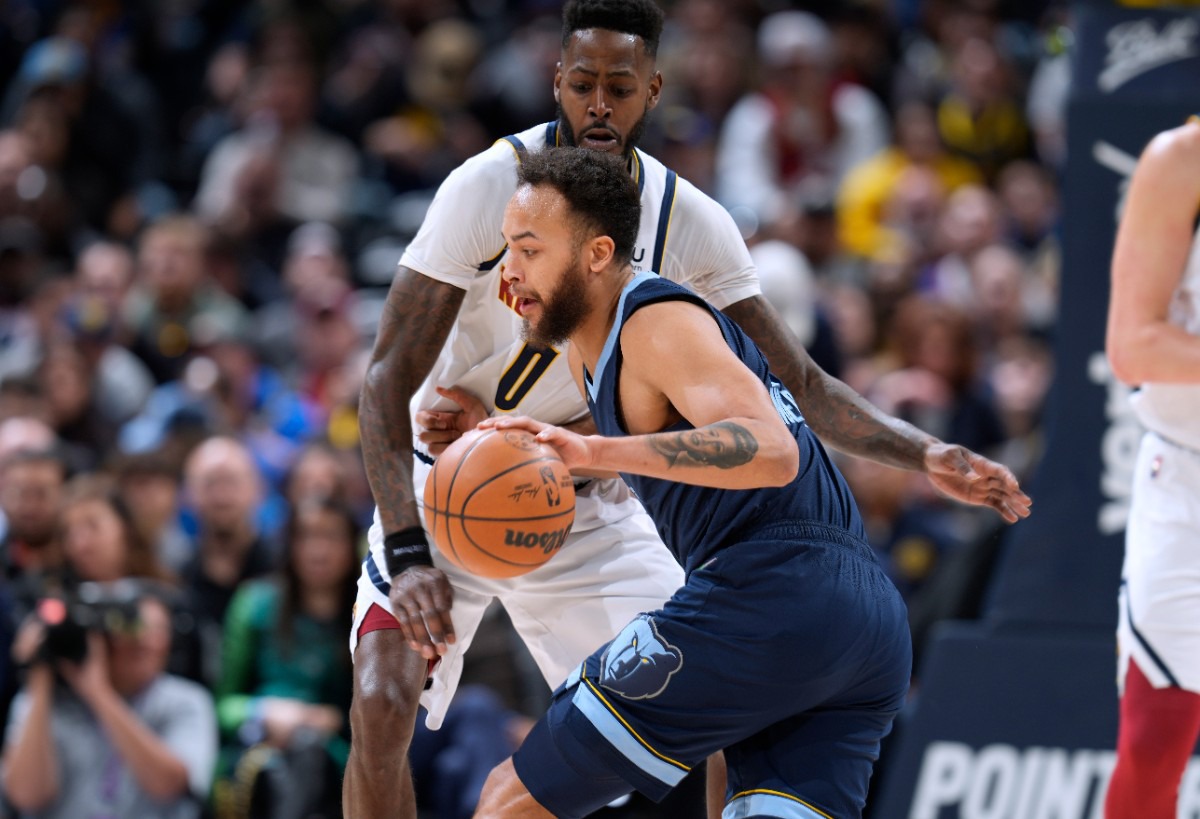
(790, 651)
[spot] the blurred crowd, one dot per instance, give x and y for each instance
(201, 206)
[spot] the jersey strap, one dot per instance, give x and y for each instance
(517, 144)
(664, 221)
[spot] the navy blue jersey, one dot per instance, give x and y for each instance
(697, 521)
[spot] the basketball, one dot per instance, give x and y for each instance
(498, 503)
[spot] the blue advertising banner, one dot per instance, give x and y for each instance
(1134, 73)
(1015, 716)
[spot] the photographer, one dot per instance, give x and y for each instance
(110, 734)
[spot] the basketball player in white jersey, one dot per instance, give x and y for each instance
(1154, 342)
(449, 353)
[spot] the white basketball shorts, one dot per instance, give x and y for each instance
(1159, 623)
(598, 582)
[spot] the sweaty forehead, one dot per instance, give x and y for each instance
(534, 208)
(603, 51)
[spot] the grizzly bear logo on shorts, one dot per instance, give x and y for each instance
(638, 663)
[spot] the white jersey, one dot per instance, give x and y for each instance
(685, 236)
(1173, 410)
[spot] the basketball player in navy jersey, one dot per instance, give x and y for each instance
(1154, 342)
(449, 353)
(787, 646)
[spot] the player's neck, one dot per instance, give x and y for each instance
(593, 332)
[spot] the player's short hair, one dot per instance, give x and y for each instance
(599, 191)
(641, 18)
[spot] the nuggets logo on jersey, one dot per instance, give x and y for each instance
(506, 296)
(638, 663)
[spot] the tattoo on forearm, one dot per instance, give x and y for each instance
(724, 445)
(839, 416)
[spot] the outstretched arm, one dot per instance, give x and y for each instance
(837, 414)
(850, 423)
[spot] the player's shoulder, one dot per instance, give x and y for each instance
(687, 197)
(497, 164)
(667, 305)
(1176, 148)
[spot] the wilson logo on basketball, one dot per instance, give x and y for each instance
(548, 542)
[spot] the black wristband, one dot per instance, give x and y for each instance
(405, 549)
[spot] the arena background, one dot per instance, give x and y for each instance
(934, 216)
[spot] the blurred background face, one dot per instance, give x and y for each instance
(105, 271)
(323, 551)
(171, 264)
(31, 497)
(43, 121)
(152, 498)
(316, 474)
(94, 540)
(134, 661)
(288, 92)
(15, 157)
(66, 384)
(224, 486)
(916, 132)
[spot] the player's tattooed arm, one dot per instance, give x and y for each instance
(724, 445)
(416, 320)
(837, 414)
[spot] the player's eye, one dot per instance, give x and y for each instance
(581, 88)
(622, 92)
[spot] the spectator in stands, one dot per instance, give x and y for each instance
(120, 738)
(285, 684)
(870, 185)
(938, 385)
(280, 167)
(100, 542)
(31, 492)
(148, 483)
(104, 275)
(68, 385)
(799, 124)
(980, 116)
(224, 488)
(174, 299)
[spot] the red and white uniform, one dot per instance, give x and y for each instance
(1160, 591)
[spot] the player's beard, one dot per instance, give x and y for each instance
(562, 312)
(569, 137)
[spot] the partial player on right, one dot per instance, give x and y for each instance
(1154, 343)
(449, 353)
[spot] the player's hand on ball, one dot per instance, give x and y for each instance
(421, 597)
(968, 477)
(574, 449)
(440, 428)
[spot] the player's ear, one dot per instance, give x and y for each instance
(655, 90)
(557, 82)
(602, 249)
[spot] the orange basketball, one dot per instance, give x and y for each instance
(498, 503)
